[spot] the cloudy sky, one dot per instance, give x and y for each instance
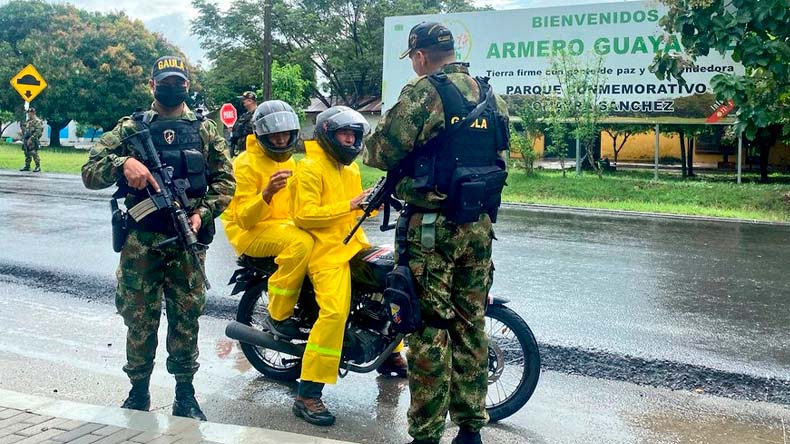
(171, 17)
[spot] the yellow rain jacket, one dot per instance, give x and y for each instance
(248, 214)
(258, 229)
(322, 194)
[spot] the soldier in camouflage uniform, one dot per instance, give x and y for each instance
(148, 271)
(31, 132)
(243, 126)
(451, 262)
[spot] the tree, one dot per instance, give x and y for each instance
(557, 131)
(342, 40)
(234, 38)
(687, 135)
(6, 119)
(97, 66)
(289, 86)
(580, 81)
(758, 33)
(625, 131)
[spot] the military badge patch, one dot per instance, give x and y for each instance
(170, 136)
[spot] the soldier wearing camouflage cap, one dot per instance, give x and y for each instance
(243, 126)
(31, 133)
(150, 268)
(454, 131)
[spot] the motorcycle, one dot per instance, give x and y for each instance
(513, 355)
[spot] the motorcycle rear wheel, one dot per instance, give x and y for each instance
(272, 364)
(513, 362)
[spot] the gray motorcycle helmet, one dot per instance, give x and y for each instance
(336, 118)
(275, 116)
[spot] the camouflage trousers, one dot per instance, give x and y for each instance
(145, 275)
(31, 153)
(448, 358)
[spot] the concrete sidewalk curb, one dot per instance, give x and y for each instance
(516, 206)
(154, 423)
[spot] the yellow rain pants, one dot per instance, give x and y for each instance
(322, 190)
(258, 229)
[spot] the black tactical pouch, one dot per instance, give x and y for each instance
(195, 167)
(120, 226)
(424, 173)
(206, 232)
(402, 299)
(474, 191)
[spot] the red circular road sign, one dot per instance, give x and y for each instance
(227, 114)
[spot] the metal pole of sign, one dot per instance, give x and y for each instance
(578, 156)
(267, 50)
(740, 154)
(655, 172)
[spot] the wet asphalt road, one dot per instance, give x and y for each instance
(688, 305)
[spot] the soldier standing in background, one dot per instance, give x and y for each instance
(243, 126)
(31, 133)
(148, 269)
(448, 130)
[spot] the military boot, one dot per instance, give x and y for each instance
(37, 169)
(467, 437)
(25, 168)
(139, 397)
(185, 404)
(425, 441)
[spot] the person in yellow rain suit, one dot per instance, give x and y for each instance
(258, 220)
(327, 195)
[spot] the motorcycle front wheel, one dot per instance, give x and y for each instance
(513, 362)
(273, 364)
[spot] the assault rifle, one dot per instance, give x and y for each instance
(380, 194)
(171, 198)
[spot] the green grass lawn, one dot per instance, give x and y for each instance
(710, 194)
(53, 160)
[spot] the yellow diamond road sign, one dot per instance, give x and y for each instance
(28, 83)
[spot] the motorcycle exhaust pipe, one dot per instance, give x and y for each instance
(249, 335)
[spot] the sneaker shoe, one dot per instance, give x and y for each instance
(396, 364)
(287, 328)
(37, 170)
(465, 437)
(313, 411)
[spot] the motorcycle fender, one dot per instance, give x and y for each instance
(492, 300)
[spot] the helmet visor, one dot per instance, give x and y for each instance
(276, 122)
(348, 119)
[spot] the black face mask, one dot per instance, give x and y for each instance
(170, 96)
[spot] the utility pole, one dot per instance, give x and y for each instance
(267, 50)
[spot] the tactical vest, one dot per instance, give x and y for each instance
(462, 161)
(241, 129)
(179, 146)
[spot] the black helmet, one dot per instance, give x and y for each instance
(337, 118)
(275, 116)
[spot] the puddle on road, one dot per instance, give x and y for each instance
(677, 428)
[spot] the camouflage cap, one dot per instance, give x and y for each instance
(169, 66)
(429, 34)
(248, 95)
